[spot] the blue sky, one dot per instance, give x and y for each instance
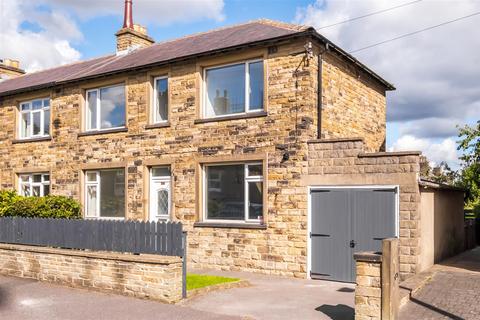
(437, 82)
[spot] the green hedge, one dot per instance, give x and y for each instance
(50, 206)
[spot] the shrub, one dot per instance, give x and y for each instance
(7, 200)
(50, 206)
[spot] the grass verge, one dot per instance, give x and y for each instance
(195, 281)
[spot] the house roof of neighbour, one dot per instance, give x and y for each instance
(201, 44)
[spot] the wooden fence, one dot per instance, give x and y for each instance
(470, 234)
(164, 238)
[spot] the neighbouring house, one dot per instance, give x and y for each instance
(265, 139)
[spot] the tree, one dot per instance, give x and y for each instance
(441, 173)
(469, 145)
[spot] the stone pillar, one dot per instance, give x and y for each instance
(368, 292)
(376, 293)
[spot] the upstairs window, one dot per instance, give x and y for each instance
(34, 118)
(160, 100)
(34, 184)
(105, 108)
(234, 89)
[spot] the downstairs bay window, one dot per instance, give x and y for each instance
(105, 193)
(233, 192)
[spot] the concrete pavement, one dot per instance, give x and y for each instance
(23, 299)
(269, 297)
(279, 298)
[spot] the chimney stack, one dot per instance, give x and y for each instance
(9, 69)
(131, 36)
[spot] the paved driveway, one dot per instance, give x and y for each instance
(452, 293)
(22, 299)
(268, 298)
(279, 298)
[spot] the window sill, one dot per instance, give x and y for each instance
(229, 225)
(233, 117)
(158, 125)
(48, 138)
(97, 132)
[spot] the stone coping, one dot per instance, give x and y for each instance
(106, 255)
(389, 154)
(333, 140)
(368, 256)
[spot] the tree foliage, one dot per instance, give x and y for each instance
(469, 179)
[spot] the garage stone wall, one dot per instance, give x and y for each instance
(345, 162)
(143, 276)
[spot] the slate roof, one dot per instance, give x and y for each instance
(210, 42)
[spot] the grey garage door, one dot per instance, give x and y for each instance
(345, 221)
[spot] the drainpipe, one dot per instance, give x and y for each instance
(319, 92)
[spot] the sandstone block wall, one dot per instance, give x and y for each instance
(142, 276)
(368, 291)
(353, 105)
(345, 162)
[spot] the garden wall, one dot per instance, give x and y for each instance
(144, 276)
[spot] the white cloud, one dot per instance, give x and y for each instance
(40, 48)
(436, 152)
(436, 72)
(148, 11)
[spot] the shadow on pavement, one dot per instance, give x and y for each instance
(338, 312)
(437, 310)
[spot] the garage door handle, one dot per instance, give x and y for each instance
(318, 235)
(352, 244)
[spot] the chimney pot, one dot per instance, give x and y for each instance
(128, 16)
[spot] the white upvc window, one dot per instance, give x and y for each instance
(233, 192)
(160, 100)
(34, 119)
(233, 89)
(160, 193)
(105, 108)
(105, 193)
(34, 184)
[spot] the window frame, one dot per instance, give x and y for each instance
(30, 113)
(98, 109)
(247, 88)
(247, 180)
(97, 184)
(165, 178)
(32, 184)
(153, 112)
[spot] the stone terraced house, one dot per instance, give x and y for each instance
(265, 139)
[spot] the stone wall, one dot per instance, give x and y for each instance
(377, 283)
(143, 276)
(352, 104)
(368, 291)
(345, 162)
